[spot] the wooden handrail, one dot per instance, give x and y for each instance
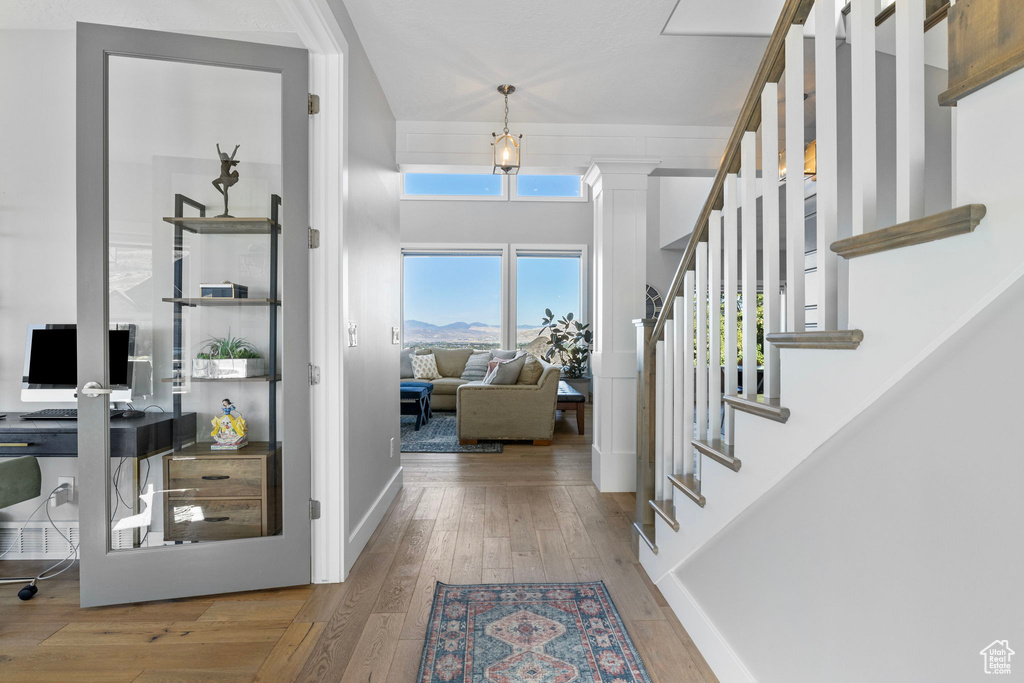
(769, 71)
(936, 11)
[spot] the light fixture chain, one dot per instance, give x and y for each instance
(506, 113)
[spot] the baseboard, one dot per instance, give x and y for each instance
(362, 531)
(722, 659)
(613, 472)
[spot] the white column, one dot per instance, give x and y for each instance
(748, 267)
(795, 212)
(862, 71)
(910, 101)
(771, 245)
(619, 286)
(714, 322)
(825, 13)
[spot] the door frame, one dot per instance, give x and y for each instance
(144, 574)
(318, 29)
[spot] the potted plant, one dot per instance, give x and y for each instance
(570, 348)
(227, 358)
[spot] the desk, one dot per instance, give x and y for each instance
(135, 438)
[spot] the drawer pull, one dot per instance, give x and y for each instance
(15, 445)
(216, 519)
(216, 477)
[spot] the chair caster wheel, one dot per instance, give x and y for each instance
(27, 592)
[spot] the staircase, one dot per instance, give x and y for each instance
(889, 278)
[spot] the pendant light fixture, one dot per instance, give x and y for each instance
(506, 146)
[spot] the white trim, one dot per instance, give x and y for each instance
(319, 31)
(361, 533)
(720, 656)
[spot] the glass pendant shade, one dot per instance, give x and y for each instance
(506, 154)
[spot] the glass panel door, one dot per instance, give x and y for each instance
(193, 271)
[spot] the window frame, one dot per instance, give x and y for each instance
(509, 265)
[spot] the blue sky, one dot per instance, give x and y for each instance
(447, 289)
(488, 185)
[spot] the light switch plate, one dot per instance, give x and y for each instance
(353, 333)
(396, 335)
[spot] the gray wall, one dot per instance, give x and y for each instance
(371, 244)
(662, 263)
(891, 554)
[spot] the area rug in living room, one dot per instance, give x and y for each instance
(439, 436)
(528, 633)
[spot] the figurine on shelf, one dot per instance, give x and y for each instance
(228, 177)
(229, 429)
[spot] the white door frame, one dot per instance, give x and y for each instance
(320, 32)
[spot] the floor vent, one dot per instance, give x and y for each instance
(38, 542)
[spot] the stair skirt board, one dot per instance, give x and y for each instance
(722, 659)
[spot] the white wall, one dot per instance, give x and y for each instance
(887, 555)
(371, 276)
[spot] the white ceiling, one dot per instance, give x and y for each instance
(724, 18)
(256, 20)
(584, 61)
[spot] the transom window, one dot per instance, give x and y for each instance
(490, 187)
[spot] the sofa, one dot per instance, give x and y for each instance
(451, 363)
(513, 412)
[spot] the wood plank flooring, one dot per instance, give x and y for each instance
(528, 514)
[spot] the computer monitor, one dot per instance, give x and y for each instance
(51, 363)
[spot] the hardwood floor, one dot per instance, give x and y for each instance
(528, 514)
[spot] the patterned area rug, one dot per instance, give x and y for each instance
(528, 633)
(439, 436)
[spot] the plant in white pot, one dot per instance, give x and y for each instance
(570, 348)
(227, 358)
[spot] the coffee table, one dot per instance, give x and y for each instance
(415, 400)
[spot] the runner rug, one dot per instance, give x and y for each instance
(528, 633)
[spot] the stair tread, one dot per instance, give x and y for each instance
(958, 221)
(769, 408)
(666, 511)
(719, 451)
(689, 485)
(817, 339)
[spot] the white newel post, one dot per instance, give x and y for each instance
(619, 287)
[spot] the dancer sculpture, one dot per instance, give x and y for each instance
(227, 177)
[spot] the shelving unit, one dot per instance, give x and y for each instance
(254, 516)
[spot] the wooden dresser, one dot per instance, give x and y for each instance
(220, 495)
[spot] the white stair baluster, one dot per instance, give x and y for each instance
(730, 256)
(862, 72)
(714, 322)
(748, 267)
(701, 369)
(771, 246)
(686, 360)
(678, 336)
(910, 103)
(659, 420)
(826, 129)
(795, 212)
(671, 421)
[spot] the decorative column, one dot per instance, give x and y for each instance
(619, 295)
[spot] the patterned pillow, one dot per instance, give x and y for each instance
(476, 366)
(424, 367)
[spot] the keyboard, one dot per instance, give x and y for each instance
(61, 414)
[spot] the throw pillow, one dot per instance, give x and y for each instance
(406, 363)
(451, 362)
(531, 371)
(424, 367)
(476, 366)
(504, 354)
(506, 372)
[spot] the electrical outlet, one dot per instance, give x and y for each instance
(392, 447)
(70, 481)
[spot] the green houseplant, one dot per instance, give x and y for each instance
(227, 358)
(570, 343)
